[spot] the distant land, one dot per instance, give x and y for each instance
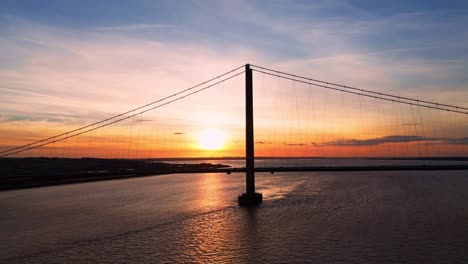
(18, 173)
(279, 157)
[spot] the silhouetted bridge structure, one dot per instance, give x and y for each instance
(250, 197)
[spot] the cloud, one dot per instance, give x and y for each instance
(345, 43)
(374, 141)
(411, 124)
(395, 139)
(135, 27)
(141, 120)
(21, 118)
(263, 142)
(456, 141)
(295, 144)
(178, 133)
(92, 75)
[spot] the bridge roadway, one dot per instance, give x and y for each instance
(338, 168)
(39, 180)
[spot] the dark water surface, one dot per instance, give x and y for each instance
(326, 217)
(322, 162)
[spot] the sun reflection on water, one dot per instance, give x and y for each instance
(209, 190)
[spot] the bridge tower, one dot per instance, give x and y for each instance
(250, 197)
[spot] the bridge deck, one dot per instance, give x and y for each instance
(336, 168)
(38, 180)
(363, 168)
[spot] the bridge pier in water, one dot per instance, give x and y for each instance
(250, 197)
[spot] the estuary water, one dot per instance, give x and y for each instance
(310, 217)
(322, 162)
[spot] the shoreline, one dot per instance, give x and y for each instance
(23, 173)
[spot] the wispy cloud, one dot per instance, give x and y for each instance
(296, 144)
(102, 73)
(19, 118)
(31, 117)
(346, 43)
(135, 27)
(394, 139)
(95, 69)
(263, 142)
(375, 141)
(141, 120)
(411, 124)
(457, 141)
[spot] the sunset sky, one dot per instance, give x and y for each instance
(65, 64)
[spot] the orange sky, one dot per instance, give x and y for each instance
(61, 69)
(291, 119)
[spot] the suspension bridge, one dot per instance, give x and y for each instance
(322, 120)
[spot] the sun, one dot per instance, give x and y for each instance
(211, 139)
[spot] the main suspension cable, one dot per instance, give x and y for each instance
(362, 94)
(29, 147)
(361, 90)
(122, 114)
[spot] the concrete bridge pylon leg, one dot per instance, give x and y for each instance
(250, 197)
